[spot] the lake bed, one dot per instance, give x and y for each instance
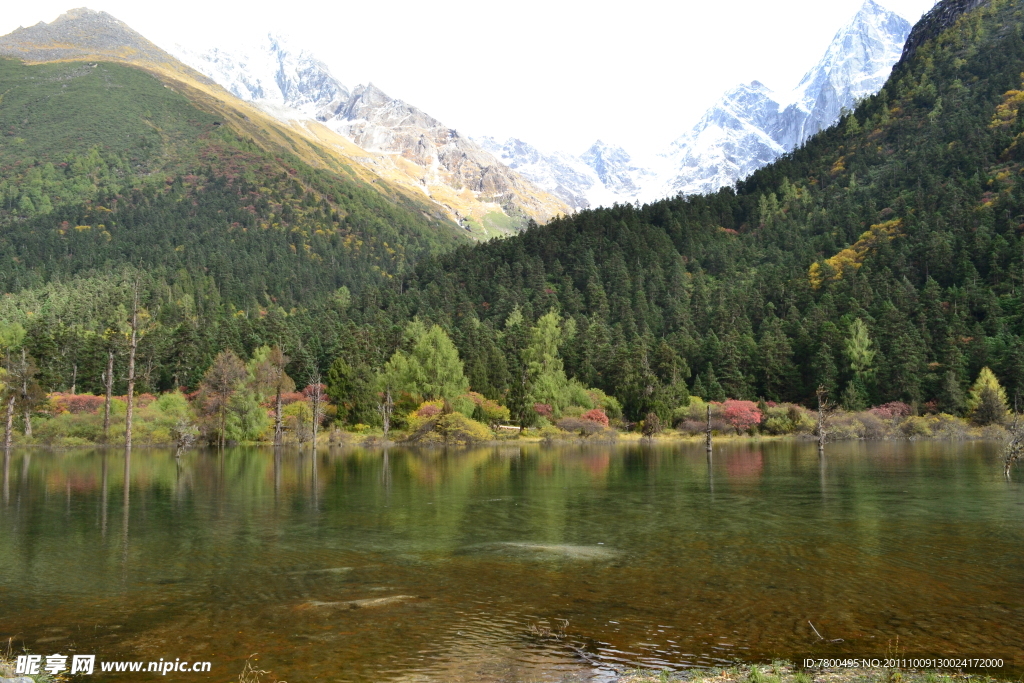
(513, 563)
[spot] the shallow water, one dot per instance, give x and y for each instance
(512, 564)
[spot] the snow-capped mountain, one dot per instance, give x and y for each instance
(273, 72)
(601, 176)
(293, 85)
(749, 127)
(561, 174)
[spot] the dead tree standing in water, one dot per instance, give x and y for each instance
(1014, 449)
(12, 396)
(707, 433)
(386, 408)
(108, 381)
(316, 395)
(30, 393)
(133, 345)
(823, 411)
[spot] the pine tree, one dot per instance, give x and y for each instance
(824, 368)
(951, 398)
(778, 371)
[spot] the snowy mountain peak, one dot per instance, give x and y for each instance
(855, 65)
(751, 126)
(748, 127)
(615, 169)
(271, 71)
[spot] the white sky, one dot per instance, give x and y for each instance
(554, 73)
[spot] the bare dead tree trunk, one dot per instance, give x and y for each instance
(386, 409)
(1014, 449)
(822, 408)
(74, 379)
(7, 446)
(26, 408)
(707, 433)
(9, 432)
(130, 411)
(318, 405)
(278, 427)
(108, 379)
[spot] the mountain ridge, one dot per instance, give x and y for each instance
(422, 151)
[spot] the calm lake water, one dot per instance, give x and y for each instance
(509, 563)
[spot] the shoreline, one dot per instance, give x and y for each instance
(633, 438)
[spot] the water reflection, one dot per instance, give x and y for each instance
(7, 477)
(376, 565)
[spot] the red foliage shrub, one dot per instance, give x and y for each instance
(578, 425)
(76, 404)
(289, 398)
(544, 409)
(596, 415)
(891, 410)
(742, 415)
(308, 392)
(428, 411)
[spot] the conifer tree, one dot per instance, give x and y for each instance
(987, 399)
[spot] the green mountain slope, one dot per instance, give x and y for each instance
(102, 164)
(908, 215)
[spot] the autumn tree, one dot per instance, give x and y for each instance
(270, 379)
(987, 399)
(219, 385)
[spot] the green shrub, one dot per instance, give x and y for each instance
(777, 425)
(916, 427)
(456, 428)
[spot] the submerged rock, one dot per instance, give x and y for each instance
(329, 570)
(570, 552)
(366, 603)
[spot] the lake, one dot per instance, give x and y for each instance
(512, 563)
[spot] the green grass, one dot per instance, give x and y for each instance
(53, 111)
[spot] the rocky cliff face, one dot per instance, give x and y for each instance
(457, 172)
(937, 20)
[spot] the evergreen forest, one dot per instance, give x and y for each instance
(882, 262)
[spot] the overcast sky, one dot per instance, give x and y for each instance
(554, 73)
